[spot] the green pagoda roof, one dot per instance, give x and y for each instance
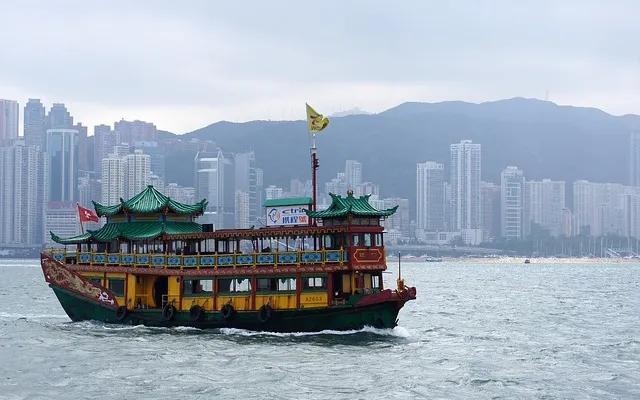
(358, 206)
(130, 231)
(150, 201)
(288, 201)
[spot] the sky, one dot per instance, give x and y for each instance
(184, 65)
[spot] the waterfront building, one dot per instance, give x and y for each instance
(400, 221)
(544, 202)
(112, 181)
(465, 190)
(137, 171)
(9, 121)
(35, 124)
(23, 174)
(182, 194)
(246, 182)
(243, 210)
(61, 216)
(273, 192)
(215, 181)
(490, 198)
(430, 196)
(62, 151)
(512, 203)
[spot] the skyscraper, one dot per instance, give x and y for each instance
(137, 170)
(544, 202)
(512, 203)
(430, 206)
(9, 121)
(353, 174)
(490, 197)
(215, 181)
(22, 194)
(62, 150)
(59, 117)
(103, 141)
(465, 190)
(112, 172)
(135, 131)
(35, 131)
(246, 182)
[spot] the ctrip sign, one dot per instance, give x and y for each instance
(287, 215)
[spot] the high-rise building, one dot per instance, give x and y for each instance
(104, 139)
(23, 172)
(246, 182)
(135, 131)
(9, 121)
(490, 197)
(137, 171)
(35, 124)
(273, 192)
(512, 203)
(465, 190)
(156, 156)
(242, 210)
(113, 178)
(61, 218)
(599, 208)
(181, 194)
(215, 181)
(85, 152)
(544, 202)
(634, 158)
(62, 150)
(353, 174)
(430, 206)
(400, 220)
(59, 117)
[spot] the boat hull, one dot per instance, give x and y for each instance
(83, 300)
(339, 318)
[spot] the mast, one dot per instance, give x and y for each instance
(314, 171)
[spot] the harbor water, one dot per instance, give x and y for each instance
(477, 330)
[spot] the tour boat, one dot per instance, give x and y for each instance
(152, 263)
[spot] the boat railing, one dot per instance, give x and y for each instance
(283, 258)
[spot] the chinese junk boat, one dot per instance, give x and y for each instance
(151, 263)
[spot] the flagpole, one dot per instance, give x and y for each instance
(80, 218)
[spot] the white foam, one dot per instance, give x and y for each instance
(395, 332)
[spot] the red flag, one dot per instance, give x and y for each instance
(87, 215)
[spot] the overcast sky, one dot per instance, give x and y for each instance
(183, 65)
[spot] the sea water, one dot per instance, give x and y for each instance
(476, 330)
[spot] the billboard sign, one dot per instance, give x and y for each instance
(287, 215)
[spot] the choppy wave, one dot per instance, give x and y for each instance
(395, 332)
(15, 316)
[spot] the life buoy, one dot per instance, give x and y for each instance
(196, 313)
(121, 313)
(265, 313)
(228, 312)
(168, 312)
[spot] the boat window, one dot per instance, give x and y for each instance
(375, 281)
(314, 282)
(117, 286)
(95, 280)
(378, 239)
(367, 239)
(355, 240)
(266, 284)
(198, 286)
(286, 284)
(328, 242)
(234, 285)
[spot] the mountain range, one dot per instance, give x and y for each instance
(542, 138)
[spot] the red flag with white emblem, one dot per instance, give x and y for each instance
(87, 214)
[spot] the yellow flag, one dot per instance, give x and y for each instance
(315, 121)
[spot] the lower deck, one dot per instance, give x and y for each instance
(244, 291)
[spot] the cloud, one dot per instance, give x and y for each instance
(184, 65)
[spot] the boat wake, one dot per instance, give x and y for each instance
(398, 332)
